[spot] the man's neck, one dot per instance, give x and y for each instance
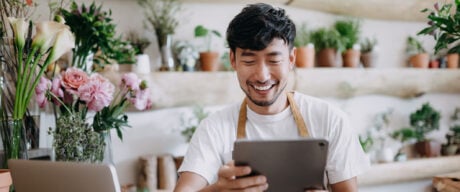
(278, 106)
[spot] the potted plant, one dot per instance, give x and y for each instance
(209, 59)
(186, 55)
(368, 55)
(305, 54)
(424, 121)
(403, 135)
(5, 180)
(349, 33)
(327, 43)
(161, 15)
(140, 44)
(443, 26)
(418, 57)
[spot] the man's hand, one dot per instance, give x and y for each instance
(228, 180)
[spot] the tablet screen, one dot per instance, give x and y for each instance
(289, 165)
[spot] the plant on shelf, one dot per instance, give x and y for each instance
(162, 19)
(367, 51)
(305, 55)
(327, 43)
(139, 43)
(424, 121)
(94, 33)
(418, 57)
(443, 25)
(349, 31)
(208, 58)
(190, 126)
(366, 142)
(404, 136)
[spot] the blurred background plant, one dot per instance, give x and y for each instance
(192, 123)
(138, 42)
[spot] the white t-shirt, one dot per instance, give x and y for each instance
(212, 144)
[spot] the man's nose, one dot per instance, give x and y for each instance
(262, 72)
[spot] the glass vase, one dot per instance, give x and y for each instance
(167, 60)
(14, 140)
(107, 157)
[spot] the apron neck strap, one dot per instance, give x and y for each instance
(301, 127)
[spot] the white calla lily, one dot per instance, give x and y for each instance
(19, 26)
(46, 35)
(64, 43)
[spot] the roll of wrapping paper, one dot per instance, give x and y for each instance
(148, 173)
(167, 175)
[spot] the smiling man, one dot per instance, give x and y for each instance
(262, 54)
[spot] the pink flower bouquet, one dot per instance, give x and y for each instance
(76, 92)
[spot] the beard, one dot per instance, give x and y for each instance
(264, 103)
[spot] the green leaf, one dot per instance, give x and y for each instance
(200, 31)
(216, 33)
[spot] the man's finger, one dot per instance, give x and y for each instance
(229, 171)
(247, 182)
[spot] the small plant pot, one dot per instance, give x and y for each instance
(305, 57)
(368, 59)
(209, 61)
(327, 57)
(452, 60)
(449, 150)
(385, 155)
(351, 58)
(428, 148)
(420, 60)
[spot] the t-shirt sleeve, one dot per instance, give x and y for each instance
(346, 159)
(202, 156)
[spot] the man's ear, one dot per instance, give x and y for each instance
(292, 56)
(232, 59)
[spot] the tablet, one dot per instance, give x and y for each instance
(289, 165)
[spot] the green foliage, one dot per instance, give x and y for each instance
(366, 143)
(326, 38)
(349, 31)
(203, 32)
(424, 120)
(161, 15)
(368, 44)
(93, 30)
(414, 46)
(112, 117)
(303, 36)
(74, 140)
(444, 26)
(403, 135)
(198, 115)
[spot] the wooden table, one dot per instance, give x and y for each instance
(447, 182)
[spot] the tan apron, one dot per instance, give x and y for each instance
(301, 127)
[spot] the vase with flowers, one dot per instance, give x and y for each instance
(161, 16)
(31, 58)
(94, 33)
(76, 94)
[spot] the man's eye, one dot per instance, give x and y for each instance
(275, 62)
(248, 62)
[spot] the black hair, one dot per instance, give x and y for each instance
(257, 25)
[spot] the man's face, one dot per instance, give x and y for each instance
(263, 74)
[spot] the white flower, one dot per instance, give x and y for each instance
(19, 29)
(46, 35)
(65, 41)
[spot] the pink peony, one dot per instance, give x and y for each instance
(41, 90)
(57, 90)
(131, 81)
(141, 99)
(72, 79)
(97, 93)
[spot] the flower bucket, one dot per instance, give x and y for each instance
(5, 180)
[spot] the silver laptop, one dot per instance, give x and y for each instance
(47, 176)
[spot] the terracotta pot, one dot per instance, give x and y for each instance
(327, 57)
(420, 60)
(428, 148)
(209, 61)
(5, 180)
(351, 58)
(368, 59)
(434, 64)
(305, 57)
(452, 60)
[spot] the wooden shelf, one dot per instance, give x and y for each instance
(409, 170)
(171, 89)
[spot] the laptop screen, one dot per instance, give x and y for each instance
(47, 176)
